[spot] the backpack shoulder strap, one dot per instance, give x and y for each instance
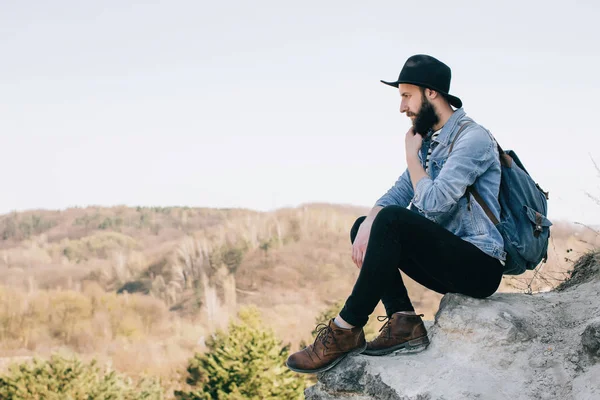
(505, 159)
(483, 204)
(462, 128)
(471, 189)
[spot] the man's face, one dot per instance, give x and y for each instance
(418, 108)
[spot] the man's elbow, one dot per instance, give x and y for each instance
(436, 206)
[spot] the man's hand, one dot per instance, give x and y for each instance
(412, 143)
(359, 247)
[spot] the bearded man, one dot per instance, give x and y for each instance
(428, 225)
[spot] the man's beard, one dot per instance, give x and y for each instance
(425, 119)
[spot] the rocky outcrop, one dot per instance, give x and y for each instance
(508, 346)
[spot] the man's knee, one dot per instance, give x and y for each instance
(392, 217)
(390, 212)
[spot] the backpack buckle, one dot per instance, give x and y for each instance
(538, 225)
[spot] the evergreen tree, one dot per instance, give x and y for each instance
(247, 362)
(68, 378)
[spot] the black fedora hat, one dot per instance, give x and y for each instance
(428, 72)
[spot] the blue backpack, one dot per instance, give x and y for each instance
(523, 210)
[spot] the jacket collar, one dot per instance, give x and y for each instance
(450, 127)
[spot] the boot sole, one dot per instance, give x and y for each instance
(358, 350)
(414, 344)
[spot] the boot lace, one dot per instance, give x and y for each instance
(324, 334)
(386, 328)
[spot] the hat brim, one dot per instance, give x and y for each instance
(453, 100)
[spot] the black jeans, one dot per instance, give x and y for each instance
(423, 250)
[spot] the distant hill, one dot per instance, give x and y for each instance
(201, 264)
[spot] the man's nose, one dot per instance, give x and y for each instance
(403, 108)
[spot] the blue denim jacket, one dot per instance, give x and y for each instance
(441, 196)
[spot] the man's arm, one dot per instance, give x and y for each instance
(373, 213)
(398, 195)
(473, 153)
(417, 172)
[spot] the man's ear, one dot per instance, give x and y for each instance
(431, 94)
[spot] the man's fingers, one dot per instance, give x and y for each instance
(358, 253)
(361, 255)
(363, 251)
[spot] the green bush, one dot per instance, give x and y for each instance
(247, 362)
(69, 378)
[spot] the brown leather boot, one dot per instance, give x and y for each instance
(400, 331)
(330, 347)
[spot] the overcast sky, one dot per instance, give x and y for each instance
(267, 104)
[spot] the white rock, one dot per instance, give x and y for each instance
(508, 346)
